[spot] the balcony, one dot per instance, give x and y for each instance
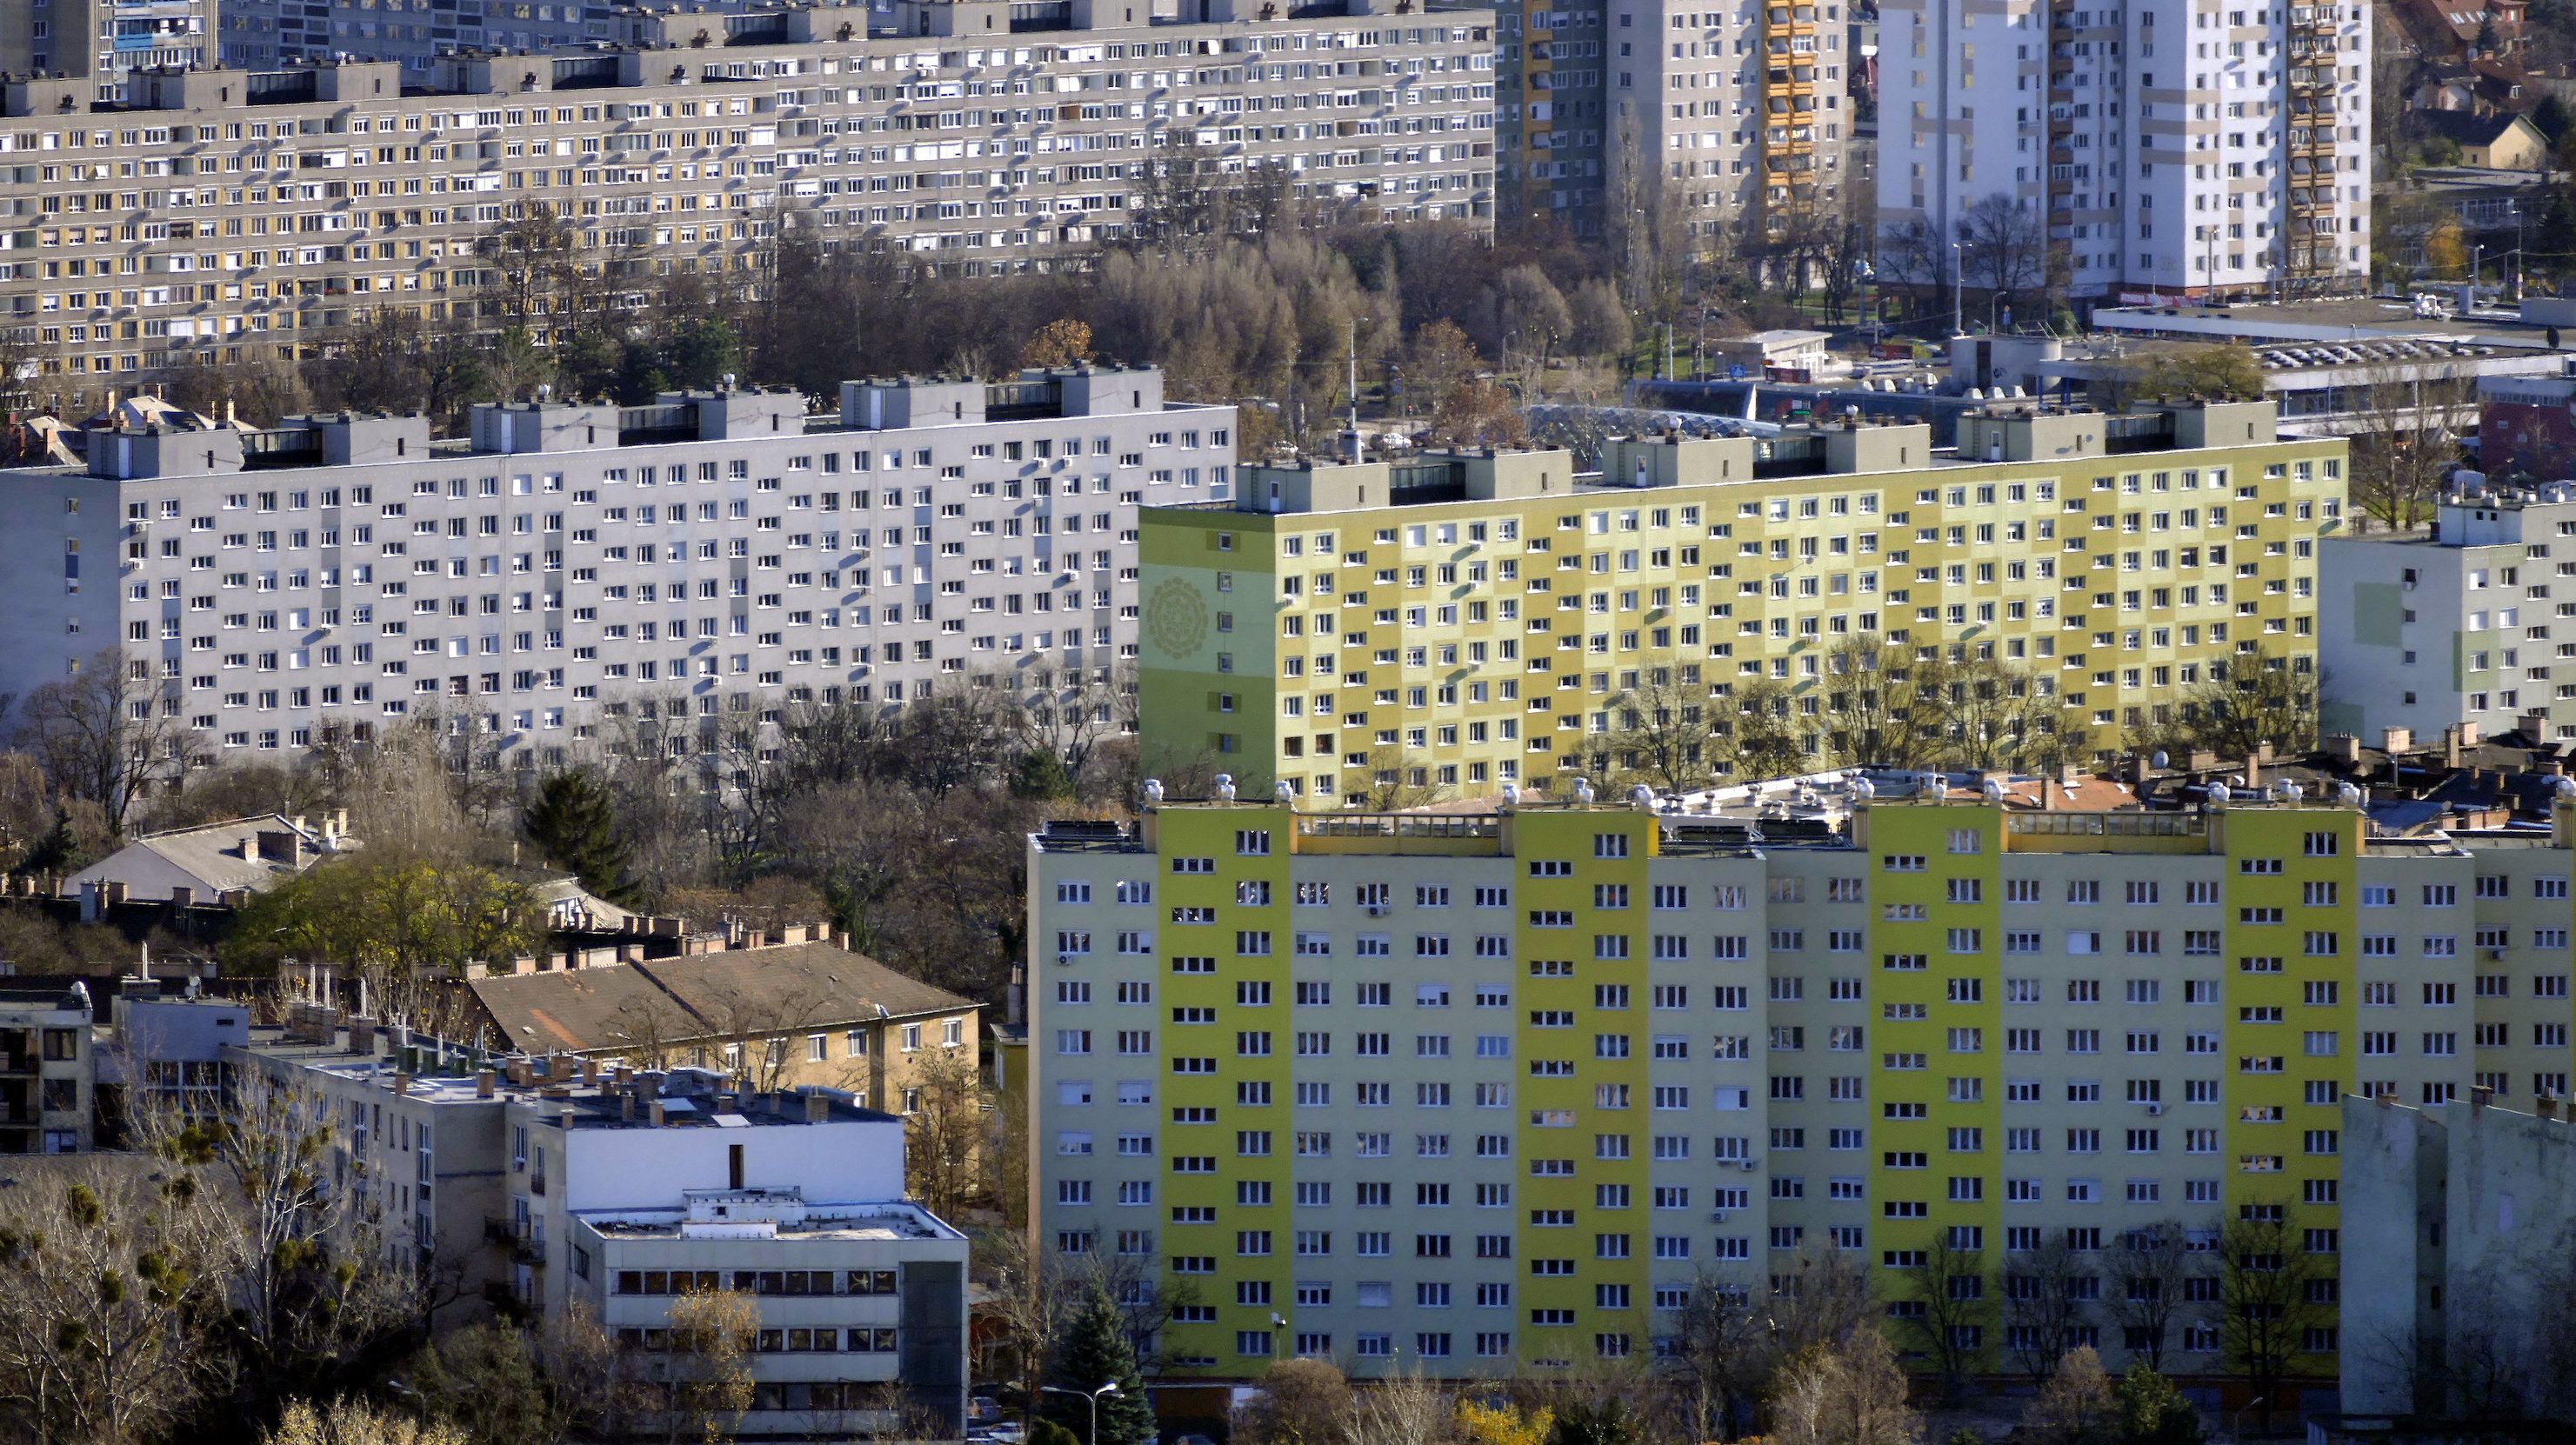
(525, 1244)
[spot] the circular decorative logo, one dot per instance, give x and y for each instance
(1176, 618)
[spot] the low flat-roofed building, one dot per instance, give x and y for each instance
(48, 1071)
(545, 1185)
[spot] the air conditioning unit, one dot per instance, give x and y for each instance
(1751, 1164)
(1377, 910)
(1718, 1217)
(2491, 955)
(2154, 1109)
(1067, 957)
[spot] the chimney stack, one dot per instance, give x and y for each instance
(653, 1115)
(402, 1084)
(2480, 1096)
(626, 1106)
(483, 1083)
(818, 1106)
(2546, 1107)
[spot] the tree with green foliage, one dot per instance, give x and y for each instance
(573, 821)
(1041, 777)
(402, 923)
(1093, 1351)
(2150, 1411)
(1608, 1423)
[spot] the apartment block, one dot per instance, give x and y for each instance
(48, 1071)
(2428, 631)
(99, 43)
(1483, 1092)
(1730, 115)
(2162, 148)
(220, 215)
(273, 34)
(1466, 621)
(716, 555)
(547, 1184)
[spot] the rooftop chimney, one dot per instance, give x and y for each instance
(483, 1083)
(818, 1106)
(2546, 1107)
(2396, 740)
(402, 1083)
(653, 1115)
(2480, 1096)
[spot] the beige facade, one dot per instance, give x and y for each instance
(99, 42)
(48, 1075)
(223, 216)
(785, 1015)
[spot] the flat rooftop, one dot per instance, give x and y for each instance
(877, 1221)
(689, 1097)
(2346, 319)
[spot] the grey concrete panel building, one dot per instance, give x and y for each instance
(2455, 1296)
(721, 554)
(218, 216)
(100, 42)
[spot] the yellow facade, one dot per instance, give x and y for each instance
(1480, 1093)
(1450, 625)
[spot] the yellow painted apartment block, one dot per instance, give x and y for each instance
(1483, 1092)
(1462, 621)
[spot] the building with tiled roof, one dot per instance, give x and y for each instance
(222, 861)
(773, 1016)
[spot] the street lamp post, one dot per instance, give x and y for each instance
(1092, 1397)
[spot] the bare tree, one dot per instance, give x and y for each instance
(1720, 1356)
(1947, 1311)
(2151, 1270)
(2239, 708)
(2004, 251)
(1763, 737)
(1659, 734)
(1406, 1408)
(2272, 1292)
(2043, 1306)
(99, 734)
(1851, 1394)
(1031, 1299)
(944, 1131)
(1874, 710)
(110, 1291)
(535, 267)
